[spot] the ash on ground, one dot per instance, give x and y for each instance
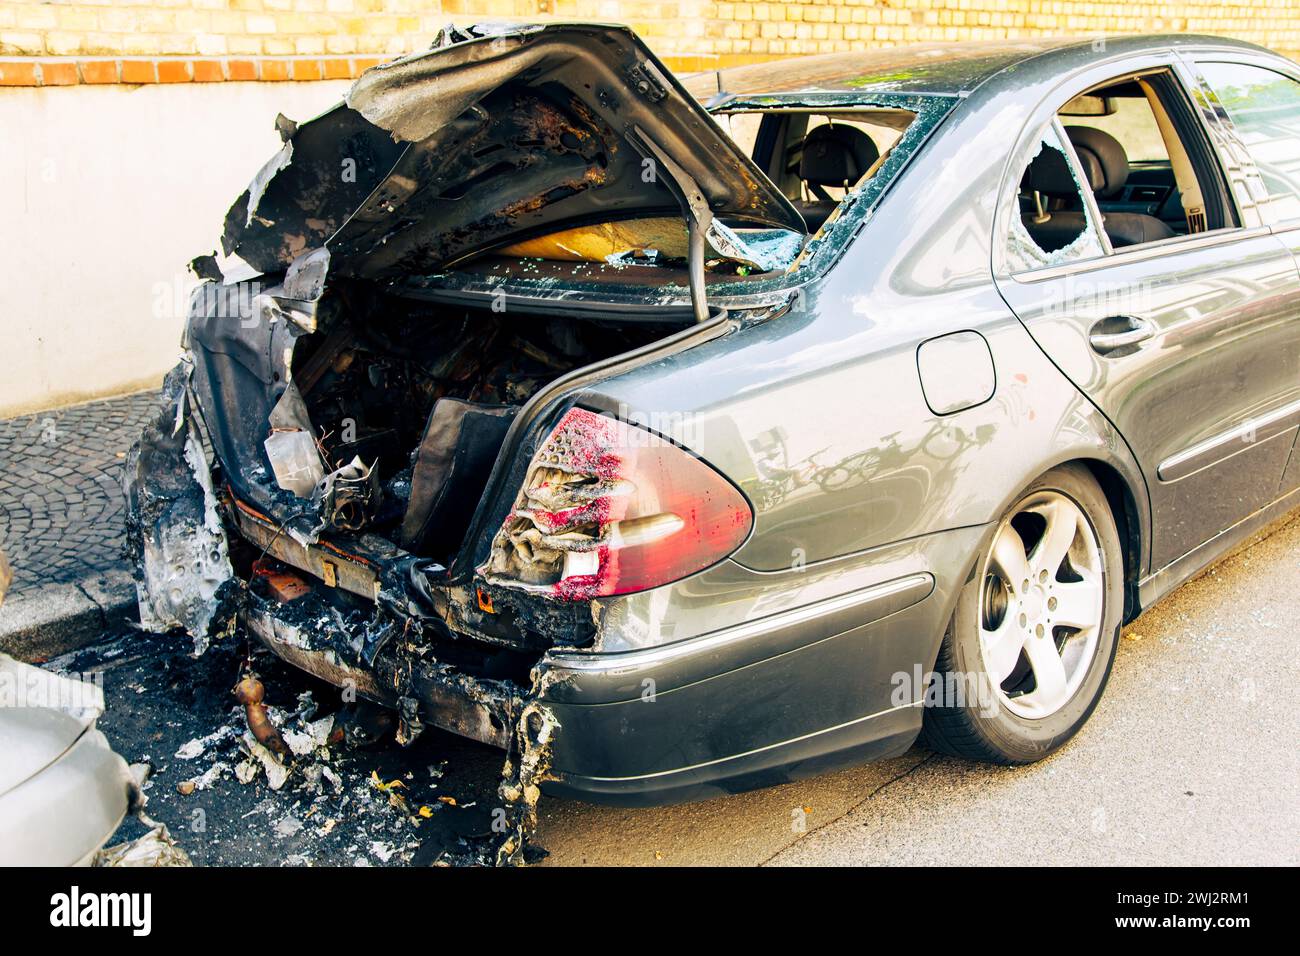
(347, 794)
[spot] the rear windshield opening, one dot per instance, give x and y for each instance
(651, 248)
(816, 159)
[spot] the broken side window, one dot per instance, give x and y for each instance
(1052, 223)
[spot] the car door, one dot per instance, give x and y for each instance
(1257, 102)
(1188, 344)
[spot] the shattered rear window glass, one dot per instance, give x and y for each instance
(739, 250)
(1051, 223)
(818, 159)
(819, 156)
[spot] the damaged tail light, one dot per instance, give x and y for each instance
(608, 508)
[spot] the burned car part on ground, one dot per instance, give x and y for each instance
(475, 455)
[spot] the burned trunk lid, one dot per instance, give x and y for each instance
(489, 138)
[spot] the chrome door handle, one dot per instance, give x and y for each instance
(1118, 332)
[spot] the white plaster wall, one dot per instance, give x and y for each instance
(106, 193)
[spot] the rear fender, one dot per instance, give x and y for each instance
(174, 532)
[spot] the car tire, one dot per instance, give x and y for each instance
(986, 702)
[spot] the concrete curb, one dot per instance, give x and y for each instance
(42, 623)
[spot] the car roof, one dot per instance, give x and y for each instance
(934, 68)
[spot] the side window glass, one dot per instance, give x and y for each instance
(1050, 223)
(1130, 122)
(1264, 107)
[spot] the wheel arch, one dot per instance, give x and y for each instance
(1121, 487)
(1124, 511)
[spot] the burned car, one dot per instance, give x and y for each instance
(673, 438)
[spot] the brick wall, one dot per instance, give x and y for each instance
(132, 41)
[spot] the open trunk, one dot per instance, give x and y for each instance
(422, 394)
(361, 404)
(365, 446)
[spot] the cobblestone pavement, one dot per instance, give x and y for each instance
(60, 499)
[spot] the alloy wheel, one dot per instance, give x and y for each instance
(1041, 604)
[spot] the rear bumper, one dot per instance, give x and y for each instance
(642, 741)
(822, 685)
(478, 708)
(768, 701)
(873, 737)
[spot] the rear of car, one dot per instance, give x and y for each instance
(406, 446)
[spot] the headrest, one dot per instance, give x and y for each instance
(1100, 149)
(836, 154)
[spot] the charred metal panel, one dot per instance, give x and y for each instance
(304, 193)
(488, 138)
(241, 370)
(173, 529)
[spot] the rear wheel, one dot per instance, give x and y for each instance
(1030, 646)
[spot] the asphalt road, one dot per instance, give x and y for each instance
(1190, 759)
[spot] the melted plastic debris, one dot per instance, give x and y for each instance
(174, 532)
(527, 766)
(156, 848)
(187, 708)
(296, 461)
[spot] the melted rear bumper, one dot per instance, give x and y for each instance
(482, 709)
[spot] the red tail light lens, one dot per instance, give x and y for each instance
(609, 508)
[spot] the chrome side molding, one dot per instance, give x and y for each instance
(1215, 449)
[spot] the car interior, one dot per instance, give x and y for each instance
(816, 159)
(1151, 173)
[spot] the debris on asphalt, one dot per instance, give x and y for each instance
(276, 772)
(196, 746)
(287, 826)
(206, 779)
(155, 848)
(345, 793)
(313, 736)
(250, 693)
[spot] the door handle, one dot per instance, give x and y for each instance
(1118, 332)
